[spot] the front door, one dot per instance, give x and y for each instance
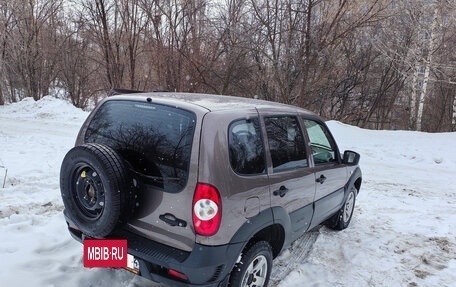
(330, 173)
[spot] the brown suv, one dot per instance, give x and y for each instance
(206, 189)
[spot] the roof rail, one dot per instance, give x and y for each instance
(114, 92)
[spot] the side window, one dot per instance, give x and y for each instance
(321, 143)
(246, 147)
(286, 143)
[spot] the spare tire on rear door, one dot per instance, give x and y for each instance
(96, 189)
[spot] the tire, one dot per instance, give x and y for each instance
(254, 268)
(342, 218)
(95, 189)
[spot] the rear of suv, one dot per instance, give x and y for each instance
(206, 189)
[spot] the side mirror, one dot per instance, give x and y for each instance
(351, 157)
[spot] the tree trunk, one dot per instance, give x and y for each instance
(2, 100)
(413, 99)
(428, 62)
(453, 122)
(307, 55)
(419, 116)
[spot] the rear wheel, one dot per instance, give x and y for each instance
(95, 188)
(342, 218)
(255, 266)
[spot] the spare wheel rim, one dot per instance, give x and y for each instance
(89, 192)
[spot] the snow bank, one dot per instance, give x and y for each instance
(402, 233)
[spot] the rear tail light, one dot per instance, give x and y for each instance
(207, 209)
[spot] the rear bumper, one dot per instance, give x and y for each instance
(203, 266)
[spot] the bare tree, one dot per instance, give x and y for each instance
(374, 63)
(105, 32)
(134, 22)
(433, 65)
(427, 62)
(175, 36)
(299, 38)
(78, 73)
(6, 16)
(33, 45)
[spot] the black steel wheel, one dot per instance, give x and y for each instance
(96, 190)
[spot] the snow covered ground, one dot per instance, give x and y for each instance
(403, 232)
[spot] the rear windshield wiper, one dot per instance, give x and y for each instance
(155, 178)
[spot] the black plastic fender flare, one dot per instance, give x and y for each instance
(268, 217)
(356, 174)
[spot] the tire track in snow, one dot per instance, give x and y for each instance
(294, 256)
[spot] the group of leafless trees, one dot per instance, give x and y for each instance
(388, 64)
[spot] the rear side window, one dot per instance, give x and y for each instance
(155, 140)
(286, 143)
(246, 147)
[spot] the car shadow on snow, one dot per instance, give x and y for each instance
(294, 256)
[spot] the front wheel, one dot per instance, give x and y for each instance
(254, 268)
(342, 218)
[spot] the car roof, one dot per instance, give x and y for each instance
(212, 102)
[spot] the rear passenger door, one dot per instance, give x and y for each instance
(330, 173)
(291, 178)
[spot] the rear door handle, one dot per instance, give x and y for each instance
(172, 220)
(281, 191)
(321, 179)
